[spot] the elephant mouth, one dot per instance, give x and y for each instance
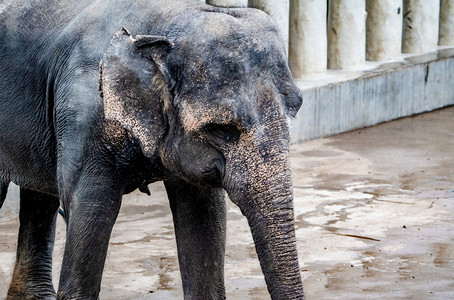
(213, 174)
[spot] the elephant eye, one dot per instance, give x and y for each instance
(221, 134)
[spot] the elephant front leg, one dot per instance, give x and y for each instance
(200, 225)
(32, 276)
(90, 214)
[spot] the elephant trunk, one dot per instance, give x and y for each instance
(273, 232)
(265, 197)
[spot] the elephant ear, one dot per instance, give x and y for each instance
(134, 84)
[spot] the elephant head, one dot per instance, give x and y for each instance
(213, 98)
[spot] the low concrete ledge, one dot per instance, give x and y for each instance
(346, 100)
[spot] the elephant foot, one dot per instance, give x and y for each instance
(27, 296)
(30, 291)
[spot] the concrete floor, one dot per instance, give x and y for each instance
(374, 217)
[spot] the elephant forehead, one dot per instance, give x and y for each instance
(219, 42)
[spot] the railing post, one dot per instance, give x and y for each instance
(308, 42)
(279, 12)
(384, 29)
(346, 34)
(228, 3)
(420, 26)
(446, 23)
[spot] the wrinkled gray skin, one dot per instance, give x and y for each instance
(196, 96)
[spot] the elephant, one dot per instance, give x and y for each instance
(100, 98)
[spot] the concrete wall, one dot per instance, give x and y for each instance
(414, 85)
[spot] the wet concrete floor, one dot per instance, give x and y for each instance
(374, 218)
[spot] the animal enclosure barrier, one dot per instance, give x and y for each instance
(343, 34)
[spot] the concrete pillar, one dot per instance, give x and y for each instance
(279, 11)
(384, 29)
(308, 42)
(446, 23)
(420, 26)
(346, 34)
(228, 3)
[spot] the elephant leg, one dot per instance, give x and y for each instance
(32, 276)
(200, 225)
(90, 212)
